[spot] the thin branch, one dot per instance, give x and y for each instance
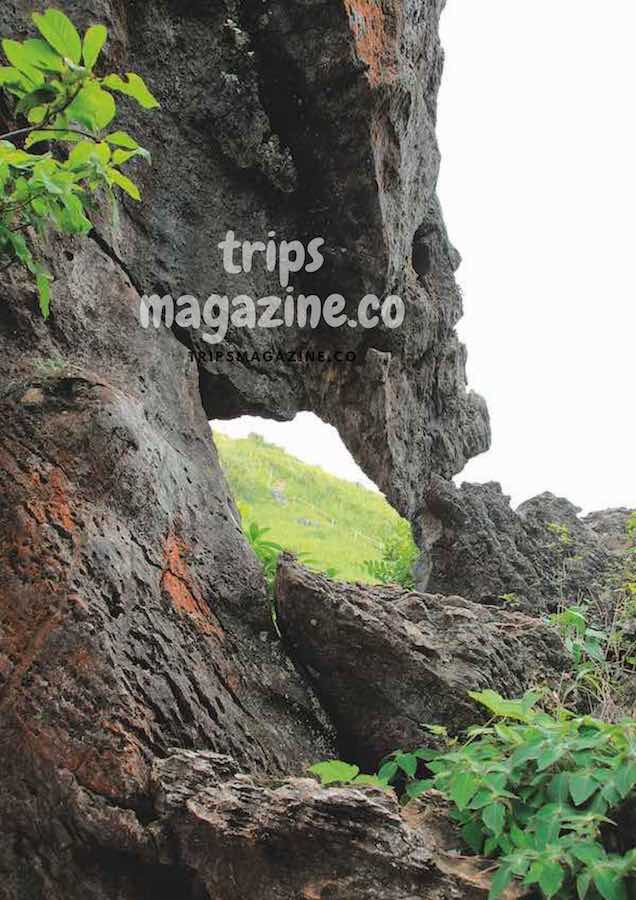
(12, 209)
(21, 131)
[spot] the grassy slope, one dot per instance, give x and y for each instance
(338, 523)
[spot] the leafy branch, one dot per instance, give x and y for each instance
(52, 84)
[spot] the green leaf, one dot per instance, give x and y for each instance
(123, 156)
(482, 798)
(61, 34)
(92, 107)
(519, 838)
(388, 771)
(94, 41)
(473, 834)
(122, 139)
(124, 183)
(135, 87)
(587, 853)
(37, 137)
(625, 778)
(525, 753)
(37, 115)
(463, 788)
(438, 730)
(10, 76)
(559, 788)
(19, 59)
(494, 817)
(417, 788)
(334, 771)
(492, 844)
(500, 882)
(511, 709)
(43, 56)
(549, 756)
(44, 293)
(583, 884)
(581, 787)
(144, 154)
(609, 885)
(86, 151)
(73, 220)
(21, 249)
(551, 878)
(370, 779)
(408, 763)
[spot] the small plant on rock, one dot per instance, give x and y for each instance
(62, 108)
(398, 556)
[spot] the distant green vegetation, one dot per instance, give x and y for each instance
(338, 525)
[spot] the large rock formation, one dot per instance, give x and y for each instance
(538, 557)
(307, 120)
(243, 837)
(132, 613)
(387, 662)
(133, 616)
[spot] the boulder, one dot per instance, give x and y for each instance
(387, 662)
(241, 836)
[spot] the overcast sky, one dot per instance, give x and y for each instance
(538, 137)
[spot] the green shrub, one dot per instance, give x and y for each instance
(543, 794)
(51, 86)
(398, 556)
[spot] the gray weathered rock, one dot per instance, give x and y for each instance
(610, 525)
(131, 607)
(308, 120)
(247, 837)
(132, 611)
(535, 558)
(384, 662)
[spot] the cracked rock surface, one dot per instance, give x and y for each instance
(132, 613)
(248, 837)
(306, 120)
(537, 557)
(152, 728)
(386, 662)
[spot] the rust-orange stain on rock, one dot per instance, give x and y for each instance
(48, 501)
(177, 583)
(58, 506)
(35, 569)
(374, 35)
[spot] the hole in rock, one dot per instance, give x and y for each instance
(298, 480)
(422, 256)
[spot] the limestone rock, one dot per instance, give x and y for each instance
(131, 607)
(384, 662)
(535, 558)
(247, 837)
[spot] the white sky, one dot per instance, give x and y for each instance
(537, 127)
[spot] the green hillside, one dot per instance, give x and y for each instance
(337, 523)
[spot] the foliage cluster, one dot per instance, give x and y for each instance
(51, 84)
(536, 792)
(397, 558)
(603, 660)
